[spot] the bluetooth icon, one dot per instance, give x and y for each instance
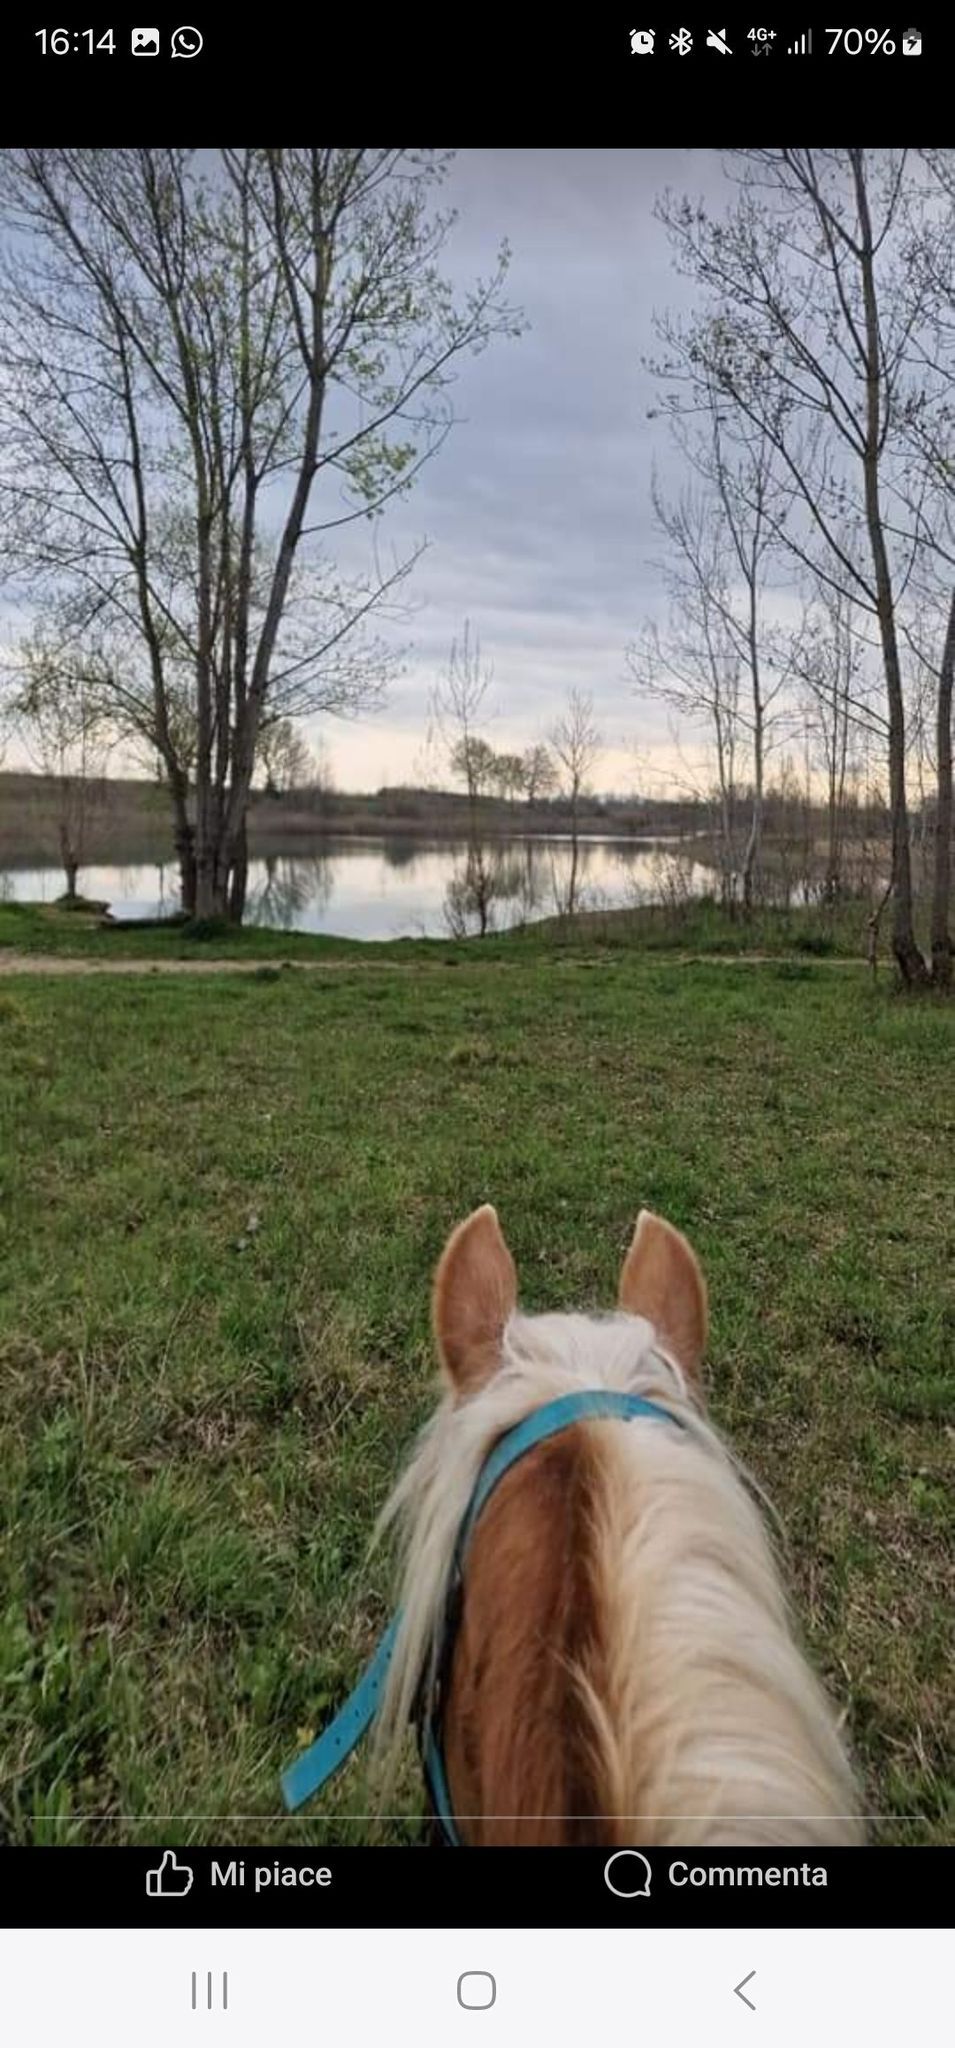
(681, 41)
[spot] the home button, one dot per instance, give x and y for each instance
(477, 1990)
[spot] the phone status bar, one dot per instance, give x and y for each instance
(799, 40)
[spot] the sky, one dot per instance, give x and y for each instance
(537, 509)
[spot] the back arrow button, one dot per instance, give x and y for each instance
(740, 1993)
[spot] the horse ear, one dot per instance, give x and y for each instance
(661, 1279)
(475, 1290)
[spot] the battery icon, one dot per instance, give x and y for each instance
(912, 42)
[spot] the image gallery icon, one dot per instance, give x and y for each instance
(144, 42)
(641, 42)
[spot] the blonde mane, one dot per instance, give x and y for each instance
(710, 1728)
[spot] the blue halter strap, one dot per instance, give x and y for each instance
(316, 1765)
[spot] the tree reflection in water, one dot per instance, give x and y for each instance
(291, 885)
(498, 885)
(402, 853)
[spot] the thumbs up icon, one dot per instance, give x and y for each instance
(171, 1881)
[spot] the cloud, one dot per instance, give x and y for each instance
(537, 509)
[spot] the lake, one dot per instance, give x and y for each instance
(401, 887)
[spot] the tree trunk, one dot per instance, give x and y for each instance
(727, 849)
(239, 881)
(942, 880)
(208, 830)
(71, 866)
(250, 704)
(187, 875)
(837, 749)
(753, 844)
(572, 890)
(184, 838)
(213, 858)
(209, 900)
(832, 885)
(751, 857)
(911, 964)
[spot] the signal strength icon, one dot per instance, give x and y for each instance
(802, 47)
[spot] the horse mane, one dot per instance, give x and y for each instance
(705, 1724)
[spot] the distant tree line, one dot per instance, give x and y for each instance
(532, 776)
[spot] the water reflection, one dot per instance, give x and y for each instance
(388, 888)
(289, 888)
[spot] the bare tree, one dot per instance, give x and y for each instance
(474, 763)
(807, 335)
(695, 666)
(284, 757)
(320, 788)
(60, 723)
(739, 504)
(829, 655)
(742, 480)
(576, 744)
(458, 709)
(941, 936)
(508, 775)
(929, 424)
(199, 345)
(540, 774)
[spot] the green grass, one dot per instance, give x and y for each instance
(223, 1200)
(701, 925)
(697, 926)
(45, 928)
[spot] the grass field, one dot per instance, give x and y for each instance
(222, 1201)
(699, 925)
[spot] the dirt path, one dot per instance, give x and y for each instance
(77, 963)
(12, 962)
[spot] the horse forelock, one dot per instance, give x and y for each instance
(624, 1609)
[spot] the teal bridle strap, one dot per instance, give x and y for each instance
(432, 1757)
(316, 1765)
(599, 1404)
(310, 1771)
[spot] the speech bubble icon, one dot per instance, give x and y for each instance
(186, 42)
(631, 1878)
